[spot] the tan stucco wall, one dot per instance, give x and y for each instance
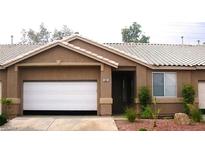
(122, 61)
(12, 78)
(169, 105)
(144, 77)
(106, 91)
(3, 80)
(58, 53)
(17, 74)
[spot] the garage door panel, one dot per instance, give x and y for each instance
(60, 96)
(201, 94)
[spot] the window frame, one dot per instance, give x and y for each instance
(164, 85)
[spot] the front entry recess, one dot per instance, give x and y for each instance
(122, 90)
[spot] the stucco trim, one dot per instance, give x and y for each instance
(62, 44)
(57, 64)
(168, 100)
(106, 100)
(164, 100)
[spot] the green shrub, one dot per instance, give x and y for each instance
(130, 114)
(188, 94)
(142, 129)
(6, 101)
(147, 113)
(3, 120)
(144, 96)
(195, 113)
(186, 108)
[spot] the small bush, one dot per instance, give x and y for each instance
(130, 114)
(144, 96)
(186, 108)
(195, 113)
(188, 94)
(142, 129)
(6, 101)
(147, 113)
(3, 120)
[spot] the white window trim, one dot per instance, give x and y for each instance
(164, 86)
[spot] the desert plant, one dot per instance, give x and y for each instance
(195, 113)
(147, 113)
(188, 94)
(3, 120)
(142, 129)
(130, 114)
(6, 102)
(144, 96)
(156, 112)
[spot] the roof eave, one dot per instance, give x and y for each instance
(178, 67)
(46, 47)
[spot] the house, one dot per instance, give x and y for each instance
(79, 75)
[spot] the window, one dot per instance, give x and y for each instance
(164, 84)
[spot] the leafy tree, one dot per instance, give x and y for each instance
(32, 36)
(134, 34)
(24, 36)
(59, 34)
(44, 35)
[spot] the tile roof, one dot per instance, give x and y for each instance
(148, 54)
(8, 51)
(165, 54)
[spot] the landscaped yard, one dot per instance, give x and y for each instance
(162, 125)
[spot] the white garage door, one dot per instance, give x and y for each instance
(201, 93)
(60, 96)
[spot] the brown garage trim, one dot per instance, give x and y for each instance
(58, 63)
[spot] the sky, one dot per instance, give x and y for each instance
(102, 20)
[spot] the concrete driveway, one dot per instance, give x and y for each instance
(60, 123)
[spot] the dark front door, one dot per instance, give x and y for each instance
(122, 90)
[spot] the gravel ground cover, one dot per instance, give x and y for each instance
(162, 125)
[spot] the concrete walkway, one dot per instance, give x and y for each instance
(60, 123)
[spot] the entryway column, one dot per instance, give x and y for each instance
(106, 91)
(141, 80)
(13, 89)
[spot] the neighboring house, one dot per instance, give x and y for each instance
(78, 74)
